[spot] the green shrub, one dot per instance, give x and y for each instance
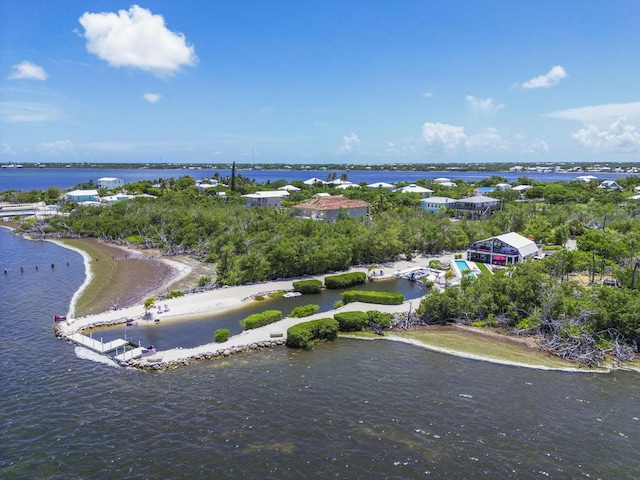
(258, 298)
(175, 294)
(202, 281)
(278, 294)
(381, 318)
(307, 286)
(304, 334)
(221, 335)
(435, 264)
(381, 298)
(304, 311)
(345, 280)
(338, 304)
(351, 321)
(261, 319)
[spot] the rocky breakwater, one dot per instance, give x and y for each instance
(244, 342)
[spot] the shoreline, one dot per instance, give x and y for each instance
(197, 305)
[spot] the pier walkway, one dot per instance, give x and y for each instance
(97, 345)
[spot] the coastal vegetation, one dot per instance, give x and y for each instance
(304, 311)
(345, 280)
(261, 319)
(307, 286)
(303, 335)
(221, 335)
(369, 296)
(581, 299)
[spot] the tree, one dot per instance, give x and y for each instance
(149, 303)
(233, 177)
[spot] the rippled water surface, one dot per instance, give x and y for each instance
(348, 409)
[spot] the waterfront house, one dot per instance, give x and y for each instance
(327, 208)
(476, 207)
(506, 249)
(271, 198)
(80, 196)
(313, 182)
(289, 188)
(437, 204)
(110, 183)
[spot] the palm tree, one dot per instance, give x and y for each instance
(448, 276)
(149, 303)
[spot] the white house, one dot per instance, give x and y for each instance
(289, 188)
(444, 182)
(586, 178)
(413, 188)
(388, 186)
(110, 183)
(313, 181)
(609, 185)
(271, 198)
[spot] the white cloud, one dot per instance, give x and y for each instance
(441, 135)
(27, 71)
(6, 149)
(152, 97)
(138, 39)
(601, 115)
(547, 80)
(538, 146)
(619, 136)
(18, 112)
(350, 144)
(452, 139)
(489, 140)
(483, 106)
(57, 147)
(427, 95)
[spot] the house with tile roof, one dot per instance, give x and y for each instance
(328, 208)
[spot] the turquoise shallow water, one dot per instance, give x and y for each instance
(347, 409)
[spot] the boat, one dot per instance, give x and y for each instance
(59, 318)
(291, 294)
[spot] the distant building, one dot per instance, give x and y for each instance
(506, 249)
(434, 204)
(609, 185)
(476, 207)
(80, 196)
(110, 183)
(413, 188)
(272, 198)
(384, 185)
(328, 208)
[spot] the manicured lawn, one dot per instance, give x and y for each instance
(483, 268)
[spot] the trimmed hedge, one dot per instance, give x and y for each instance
(304, 334)
(345, 280)
(261, 319)
(352, 321)
(304, 311)
(221, 335)
(381, 298)
(358, 321)
(307, 286)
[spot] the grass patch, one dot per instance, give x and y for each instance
(103, 268)
(488, 346)
(278, 294)
(483, 268)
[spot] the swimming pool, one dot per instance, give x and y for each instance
(462, 265)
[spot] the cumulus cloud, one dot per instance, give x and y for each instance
(152, 97)
(619, 136)
(57, 147)
(136, 38)
(441, 135)
(547, 80)
(19, 112)
(483, 106)
(350, 144)
(452, 139)
(537, 146)
(27, 71)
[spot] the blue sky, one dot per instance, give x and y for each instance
(312, 82)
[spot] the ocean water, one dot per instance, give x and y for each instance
(43, 178)
(347, 409)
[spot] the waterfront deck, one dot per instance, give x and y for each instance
(97, 345)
